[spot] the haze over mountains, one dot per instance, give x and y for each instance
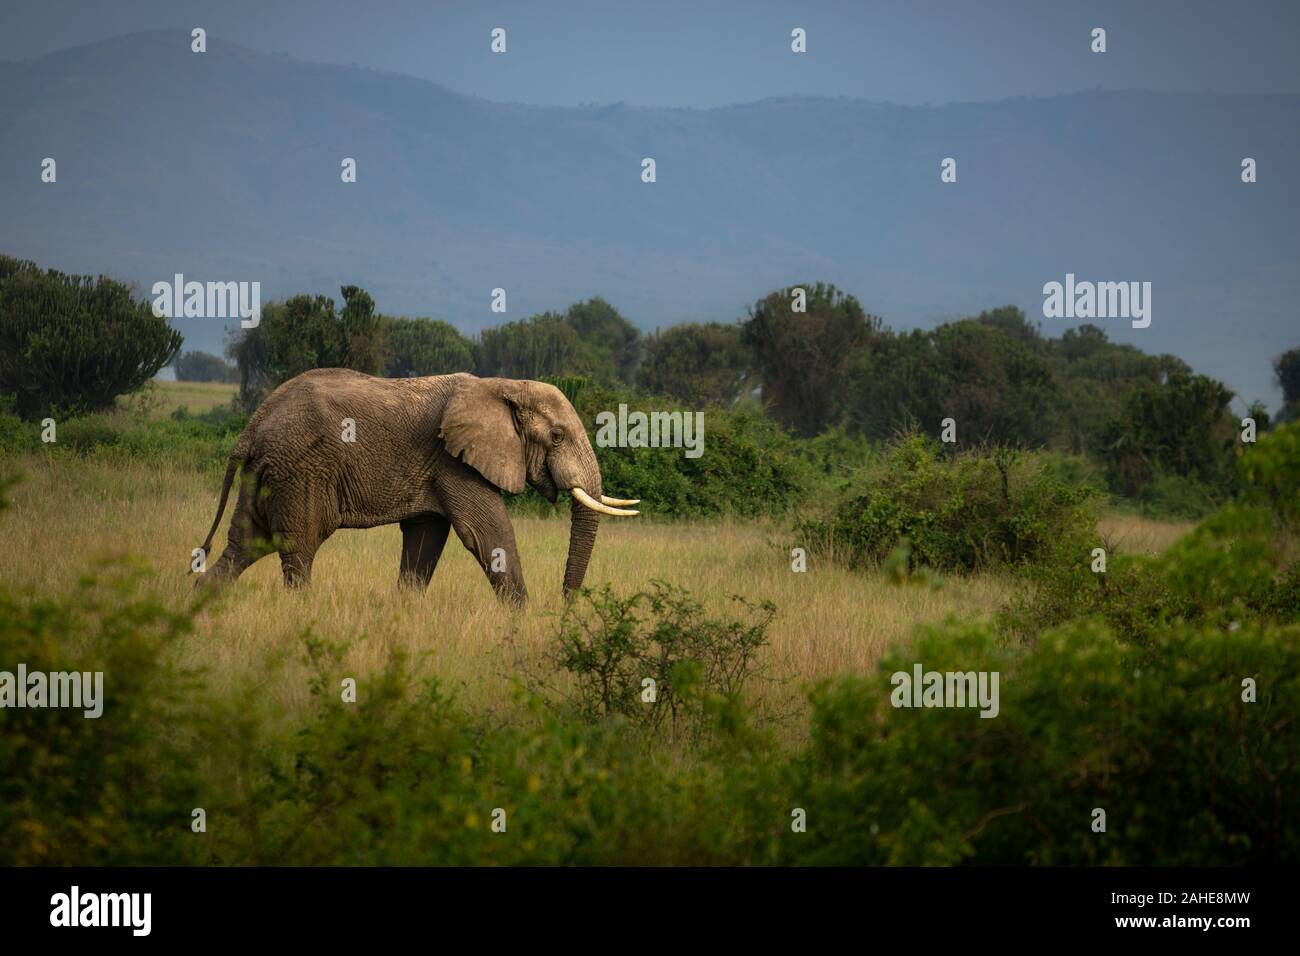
(226, 166)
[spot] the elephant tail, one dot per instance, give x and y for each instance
(221, 506)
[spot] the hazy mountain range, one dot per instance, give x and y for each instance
(226, 166)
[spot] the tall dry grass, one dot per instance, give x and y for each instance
(73, 515)
(1134, 534)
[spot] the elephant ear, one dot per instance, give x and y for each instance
(481, 429)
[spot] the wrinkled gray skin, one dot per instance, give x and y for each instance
(430, 454)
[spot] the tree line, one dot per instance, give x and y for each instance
(808, 354)
(816, 361)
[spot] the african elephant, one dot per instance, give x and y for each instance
(333, 448)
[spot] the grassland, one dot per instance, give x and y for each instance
(159, 398)
(72, 515)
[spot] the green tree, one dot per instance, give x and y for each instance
(540, 346)
(604, 330)
(803, 356)
(696, 363)
(1180, 427)
(424, 347)
(1286, 369)
(1010, 320)
(990, 374)
(1094, 376)
(72, 344)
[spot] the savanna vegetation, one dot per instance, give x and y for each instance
(723, 693)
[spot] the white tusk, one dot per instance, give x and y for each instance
(619, 502)
(595, 505)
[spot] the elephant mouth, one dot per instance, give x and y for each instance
(546, 486)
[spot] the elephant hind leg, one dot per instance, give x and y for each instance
(423, 539)
(246, 541)
(232, 563)
(297, 553)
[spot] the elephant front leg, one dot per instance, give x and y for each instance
(423, 539)
(484, 528)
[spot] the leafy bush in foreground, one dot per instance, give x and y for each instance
(1187, 772)
(613, 645)
(1159, 737)
(114, 789)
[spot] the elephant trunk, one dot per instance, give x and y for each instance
(582, 538)
(584, 522)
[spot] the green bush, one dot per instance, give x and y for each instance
(16, 435)
(1271, 473)
(613, 645)
(1237, 565)
(970, 510)
(405, 776)
(1187, 772)
(118, 788)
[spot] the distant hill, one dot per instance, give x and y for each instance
(226, 165)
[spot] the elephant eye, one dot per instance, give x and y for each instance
(557, 436)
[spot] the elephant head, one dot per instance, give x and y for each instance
(513, 431)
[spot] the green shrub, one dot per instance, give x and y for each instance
(1237, 565)
(405, 776)
(1187, 772)
(613, 646)
(1271, 473)
(1159, 737)
(118, 788)
(972, 510)
(16, 435)
(839, 461)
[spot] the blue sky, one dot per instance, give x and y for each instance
(702, 53)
